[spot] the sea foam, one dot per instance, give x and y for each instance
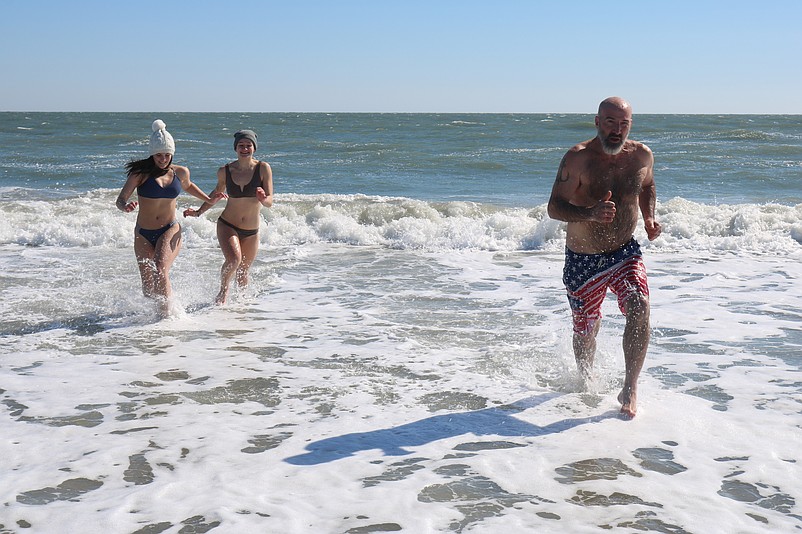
(394, 222)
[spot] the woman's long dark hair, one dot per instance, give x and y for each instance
(147, 167)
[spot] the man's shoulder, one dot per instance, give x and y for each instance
(640, 149)
(579, 147)
(579, 150)
(631, 145)
(580, 155)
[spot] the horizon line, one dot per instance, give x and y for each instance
(407, 112)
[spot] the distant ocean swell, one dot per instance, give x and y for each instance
(89, 220)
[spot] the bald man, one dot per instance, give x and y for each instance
(600, 187)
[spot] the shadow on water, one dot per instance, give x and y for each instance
(82, 325)
(497, 421)
(89, 324)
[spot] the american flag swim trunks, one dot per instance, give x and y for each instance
(588, 276)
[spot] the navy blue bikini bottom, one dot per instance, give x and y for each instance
(153, 235)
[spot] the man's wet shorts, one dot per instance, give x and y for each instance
(588, 276)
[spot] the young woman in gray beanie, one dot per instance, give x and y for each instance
(248, 184)
(157, 236)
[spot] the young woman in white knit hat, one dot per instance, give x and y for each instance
(248, 183)
(157, 236)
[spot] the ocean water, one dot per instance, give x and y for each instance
(402, 358)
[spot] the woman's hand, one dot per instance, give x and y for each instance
(215, 197)
(127, 208)
(261, 195)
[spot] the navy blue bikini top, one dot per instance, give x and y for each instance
(150, 188)
(249, 190)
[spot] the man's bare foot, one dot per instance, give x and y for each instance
(628, 398)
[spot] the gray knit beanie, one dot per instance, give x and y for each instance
(245, 134)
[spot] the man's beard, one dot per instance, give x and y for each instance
(609, 147)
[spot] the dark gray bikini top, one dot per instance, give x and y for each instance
(249, 190)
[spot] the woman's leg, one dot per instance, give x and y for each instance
(249, 247)
(144, 258)
(232, 254)
(167, 248)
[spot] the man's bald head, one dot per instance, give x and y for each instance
(614, 102)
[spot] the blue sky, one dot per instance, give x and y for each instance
(407, 56)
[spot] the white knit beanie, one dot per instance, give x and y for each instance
(161, 142)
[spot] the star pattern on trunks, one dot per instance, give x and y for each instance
(587, 278)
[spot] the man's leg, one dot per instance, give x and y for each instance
(585, 351)
(635, 344)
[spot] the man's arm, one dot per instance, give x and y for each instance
(648, 198)
(566, 192)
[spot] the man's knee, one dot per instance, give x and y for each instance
(586, 328)
(637, 307)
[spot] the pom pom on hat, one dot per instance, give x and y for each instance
(161, 142)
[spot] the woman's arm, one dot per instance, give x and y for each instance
(264, 194)
(133, 181)
(218, 193)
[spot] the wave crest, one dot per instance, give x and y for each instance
(91, 220)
